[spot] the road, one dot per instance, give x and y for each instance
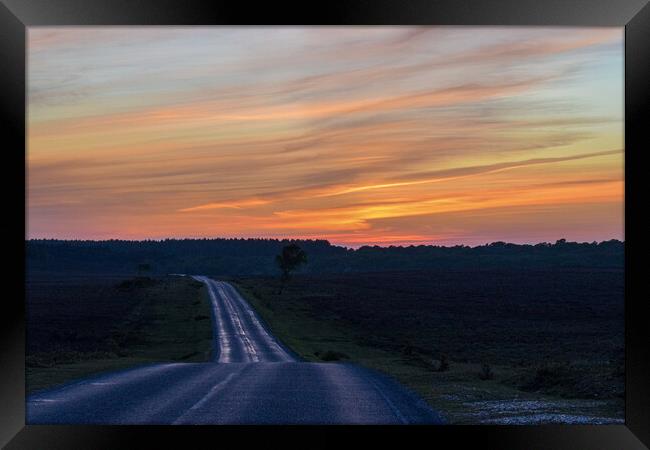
(253, 379)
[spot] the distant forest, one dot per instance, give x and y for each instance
(256, 256)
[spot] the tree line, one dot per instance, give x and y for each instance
(258, 256)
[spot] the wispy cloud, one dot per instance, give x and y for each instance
(237, 204)
(461, 172)
(357, 134)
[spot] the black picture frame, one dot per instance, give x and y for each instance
(17, 15)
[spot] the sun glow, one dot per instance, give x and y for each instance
(359, 135)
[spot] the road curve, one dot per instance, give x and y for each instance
(253, 379)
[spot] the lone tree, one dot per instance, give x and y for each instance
(291, 257)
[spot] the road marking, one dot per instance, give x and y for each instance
(250, 349)
(388, 401)
(227, 302)
(225, 347)
(270, 340)
(214, 390)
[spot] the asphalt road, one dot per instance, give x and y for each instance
(254, 379)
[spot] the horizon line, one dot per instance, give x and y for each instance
(561, 240)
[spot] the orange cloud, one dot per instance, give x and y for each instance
(359, 135)
(462, 172)
(238, 204)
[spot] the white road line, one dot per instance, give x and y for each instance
(388, 401)
(260, 328)
(227, 301)
(225, 348)
(213, 391)
(250, 349)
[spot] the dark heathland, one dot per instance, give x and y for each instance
(532, 328)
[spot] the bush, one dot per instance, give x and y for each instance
(486, 372)
(136, 283)
(569, 380)
(331, 355)
(408, 350)
(443, 364)
(548, 377)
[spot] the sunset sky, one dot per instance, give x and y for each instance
(358, 135)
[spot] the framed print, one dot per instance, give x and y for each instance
(388, 218)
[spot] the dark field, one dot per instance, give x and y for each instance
(77, 326)
(462, 337)
(481, 346)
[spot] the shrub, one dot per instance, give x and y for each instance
(331, 355)
(548, 377)
(408, 350)
(136, 283)
(486, 372)
(443, 364)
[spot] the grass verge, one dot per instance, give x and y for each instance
(80, 328)
(310, 317)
